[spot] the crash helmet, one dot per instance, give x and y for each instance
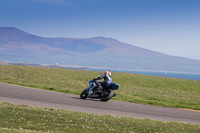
(108, 73)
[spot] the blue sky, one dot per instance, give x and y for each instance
(167, 26)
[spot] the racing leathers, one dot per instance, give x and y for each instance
(107, 80)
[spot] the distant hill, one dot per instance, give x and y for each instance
(19, 46)
(2, 63)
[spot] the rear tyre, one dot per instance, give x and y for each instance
(108, 97)
(84, 94)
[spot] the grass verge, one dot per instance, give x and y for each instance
(152, 90)
(19, 118)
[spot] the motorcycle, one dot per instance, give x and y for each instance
(104, 94)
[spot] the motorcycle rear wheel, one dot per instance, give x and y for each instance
(108, 97)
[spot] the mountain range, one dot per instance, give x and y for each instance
(19, 46)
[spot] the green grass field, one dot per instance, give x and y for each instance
(159, 91)
(21, 119)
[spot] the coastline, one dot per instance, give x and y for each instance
(162, 73)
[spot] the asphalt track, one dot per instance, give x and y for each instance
(35, 97)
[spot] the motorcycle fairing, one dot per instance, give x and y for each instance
(113, 86)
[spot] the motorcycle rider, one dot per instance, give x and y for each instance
(107, 80)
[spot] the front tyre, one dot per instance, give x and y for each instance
(108, 97)
(84, 94)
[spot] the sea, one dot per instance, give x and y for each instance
(190, 76)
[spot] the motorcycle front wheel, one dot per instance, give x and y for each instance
(84, 94)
